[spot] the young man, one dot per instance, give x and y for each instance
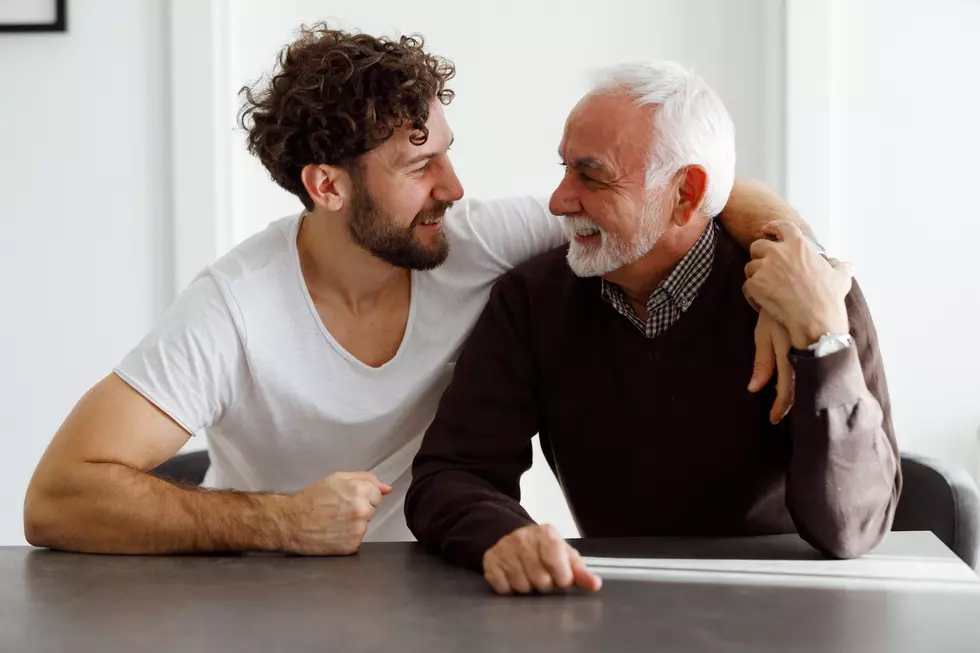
(626, 351)
(313, 355)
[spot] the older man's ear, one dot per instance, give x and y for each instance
(692, 185)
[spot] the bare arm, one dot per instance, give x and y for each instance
(751, 206)
(91, 491)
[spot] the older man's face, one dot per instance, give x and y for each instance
(609, 215)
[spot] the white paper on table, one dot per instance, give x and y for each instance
(870, 571)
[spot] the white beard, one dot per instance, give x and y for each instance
(612, 252)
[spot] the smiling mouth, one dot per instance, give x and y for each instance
(431, 220)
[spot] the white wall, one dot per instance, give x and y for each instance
(898, 111)
(85, 251)
(520, 67)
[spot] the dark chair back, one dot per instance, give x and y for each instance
(941, 498)
(185, 468)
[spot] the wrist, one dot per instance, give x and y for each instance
(271, 519)
(806, 334)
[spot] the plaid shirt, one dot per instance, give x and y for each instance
(676, 293)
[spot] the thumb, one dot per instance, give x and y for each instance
(375, 481)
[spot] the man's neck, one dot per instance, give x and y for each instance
(640, 279)
(338, 270)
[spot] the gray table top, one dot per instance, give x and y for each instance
(394, 597)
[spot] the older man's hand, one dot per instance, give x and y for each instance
(536, 558)
(772, 355)
(794, 284)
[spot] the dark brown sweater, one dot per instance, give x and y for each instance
(653, 437)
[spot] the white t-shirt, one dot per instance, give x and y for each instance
(243, 356)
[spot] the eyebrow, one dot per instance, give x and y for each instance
(425, 157)
(587, 163)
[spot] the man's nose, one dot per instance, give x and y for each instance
(564, 200)
(449, 188)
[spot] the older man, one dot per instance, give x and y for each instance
(627, 351)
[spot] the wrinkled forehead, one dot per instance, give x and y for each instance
(611, 128)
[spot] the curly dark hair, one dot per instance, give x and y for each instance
(335, 95)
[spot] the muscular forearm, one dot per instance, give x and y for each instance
(842, 484)
(751, 206)
(104, 507)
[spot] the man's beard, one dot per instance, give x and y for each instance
(376, 231)
(613, 252)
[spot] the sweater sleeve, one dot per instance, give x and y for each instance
(465, 491)
(844, 478)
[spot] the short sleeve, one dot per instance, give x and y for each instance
(515, 230)
(192, 366)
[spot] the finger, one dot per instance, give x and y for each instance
(362, 509)
(373, 480)
(533, 568)
(783, 230)
(497, 579)
(747, 290)
(785, 379)
(514, 570)
(584, 579)
(765, 355)
(370, 492)
(843, 267)
(752, 267)
(553, 552)
(761, 247)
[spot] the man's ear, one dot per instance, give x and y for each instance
(692, 184)
(328, 186)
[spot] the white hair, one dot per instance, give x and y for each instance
(691, 125)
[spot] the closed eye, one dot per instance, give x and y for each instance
(581, 174)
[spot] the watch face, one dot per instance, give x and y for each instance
(831, 343)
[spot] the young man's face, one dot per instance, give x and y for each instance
(402, 192)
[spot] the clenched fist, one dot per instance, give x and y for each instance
(331, 516)
(536, 558)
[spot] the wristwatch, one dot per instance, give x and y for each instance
(829, 343)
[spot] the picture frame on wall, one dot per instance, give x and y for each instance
(33, 16)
